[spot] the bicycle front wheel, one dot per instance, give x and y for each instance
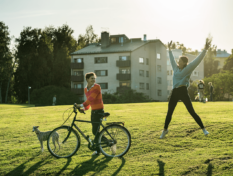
(61, 148)
(117, 143)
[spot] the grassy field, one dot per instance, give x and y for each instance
(184, 151)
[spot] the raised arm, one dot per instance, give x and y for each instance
(171, 57)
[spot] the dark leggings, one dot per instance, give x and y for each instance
(95, 117)
(181, 93)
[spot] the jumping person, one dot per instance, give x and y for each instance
(182, 72)
(94, 100)
(200, 88)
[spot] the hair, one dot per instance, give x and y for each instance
(210, 83)
(184, 59)
(89, 74)
(201, 81)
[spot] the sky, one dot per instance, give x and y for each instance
(186, 21)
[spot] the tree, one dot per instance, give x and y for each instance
(89, 37)
(5, 56)
(228, 65)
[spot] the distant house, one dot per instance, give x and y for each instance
(221, 56)
(121, 64)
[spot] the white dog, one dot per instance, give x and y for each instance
(43, 136)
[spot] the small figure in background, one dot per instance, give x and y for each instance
(200, 88)
(54, 100)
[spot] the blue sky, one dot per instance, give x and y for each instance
(186, 21)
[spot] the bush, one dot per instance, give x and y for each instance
(44, 96)
(130, 96)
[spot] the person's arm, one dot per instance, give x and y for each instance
(94, 92)
(171, 57)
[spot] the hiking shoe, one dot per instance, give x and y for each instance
(163, 134)
(205, 132)
(113, 149)
(95, 153)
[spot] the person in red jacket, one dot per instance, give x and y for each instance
(94, 100)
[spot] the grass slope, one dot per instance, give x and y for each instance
(184, 151)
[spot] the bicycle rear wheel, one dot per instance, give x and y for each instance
(119, 145)
(59, 149)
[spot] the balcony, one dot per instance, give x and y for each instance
(77, 65)
(123, 89)
(126, 63)
(77, 91)
(77, 78)
(123, 77)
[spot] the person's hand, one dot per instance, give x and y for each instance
(207, 44)
(169, 45)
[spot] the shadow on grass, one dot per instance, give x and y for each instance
(91, 165)
(20, 169)
(209, 171)
(122, 164)
(161, 167)
(64, 168)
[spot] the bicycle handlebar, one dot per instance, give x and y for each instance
(74, 107)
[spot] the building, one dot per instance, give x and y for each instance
(197, 74)
(221, 56)
(121, 63)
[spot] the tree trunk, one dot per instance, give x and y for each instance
(9, 82)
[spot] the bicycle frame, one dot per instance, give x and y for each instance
(80, 131)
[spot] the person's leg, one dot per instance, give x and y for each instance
(171, 106)
(186, 100)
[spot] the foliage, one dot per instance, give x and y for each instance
(192, 89)
(228, 65)
(44, 96)
(5, 58)
(130, 96)
(222, 83)
(43, 59)
(184, 151)
(89, 37)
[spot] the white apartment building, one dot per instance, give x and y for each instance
(120, 64)
(197, 74)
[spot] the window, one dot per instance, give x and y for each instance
(78, 60)
(195, 73)
(124, 70)
(113, 40)
(147, 73)
(159, 80)
(168, 62)
(103, 85)
(147, 86)
(141, 60)
(168, 72)
(171, 72)
(124, 58)
(101, 72)
(158, 55)
(159, 92)
(124, 84)
(78, 86)
(121, 39)
(141, 85)
(78, 73)
(141, 73)
(101, 60)
(147, 61)
(159, 67)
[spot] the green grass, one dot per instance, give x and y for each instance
(184, 151)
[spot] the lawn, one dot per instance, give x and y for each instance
(184, 151)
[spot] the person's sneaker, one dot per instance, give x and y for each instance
(205, 132)
(163, 134)
(113, 149)
(95, 153)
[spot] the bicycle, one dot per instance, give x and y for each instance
(113, 136)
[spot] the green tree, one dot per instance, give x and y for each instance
(228, 65)
(5, 56)
(89, 37)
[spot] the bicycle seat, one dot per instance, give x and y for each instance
(106, 114)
